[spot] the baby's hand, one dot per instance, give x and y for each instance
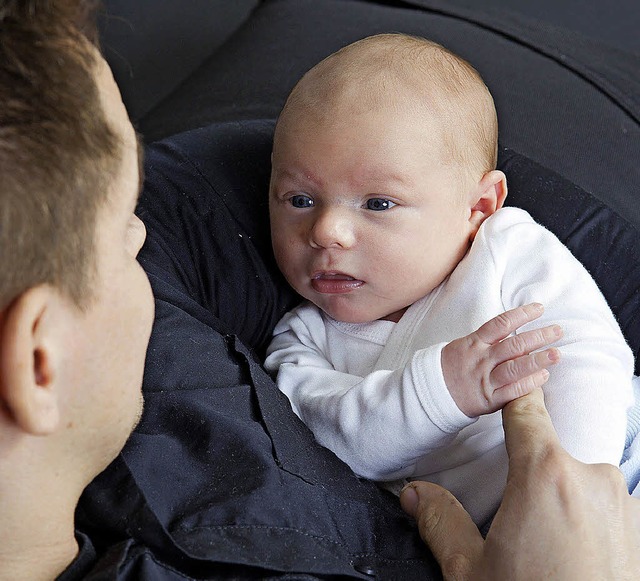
(487, 369)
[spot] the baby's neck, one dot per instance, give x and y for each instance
(396, 316)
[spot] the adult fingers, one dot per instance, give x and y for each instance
(500, 327)
(445, 527)
(528, 430)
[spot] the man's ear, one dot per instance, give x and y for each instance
(29, 390)
(488, 197)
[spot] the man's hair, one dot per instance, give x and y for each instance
(374, 71)
(58, 153)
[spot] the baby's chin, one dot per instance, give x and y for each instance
(352, 307)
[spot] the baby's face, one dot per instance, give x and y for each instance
(365, 217)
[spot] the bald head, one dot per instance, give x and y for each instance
(396, 71)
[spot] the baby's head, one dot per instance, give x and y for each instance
(383, 170)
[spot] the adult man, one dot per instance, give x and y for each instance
(72, 343)
(76, 306)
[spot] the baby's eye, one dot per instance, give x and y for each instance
(379, 204)
(301, 201)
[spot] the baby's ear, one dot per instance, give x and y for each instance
(487, 197)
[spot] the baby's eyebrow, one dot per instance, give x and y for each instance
(383, 176)
(296, 175)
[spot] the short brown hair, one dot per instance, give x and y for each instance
(376, 67)
(57, 151)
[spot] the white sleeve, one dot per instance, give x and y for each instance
(379, 424)
(590, 390)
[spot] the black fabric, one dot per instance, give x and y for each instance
(563, 99)
(220, 479)
(612, 72)
(615, 25)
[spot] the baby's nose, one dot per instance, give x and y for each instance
(333, 228)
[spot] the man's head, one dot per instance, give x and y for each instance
(58, 153)
(383, 170)
(75, 306)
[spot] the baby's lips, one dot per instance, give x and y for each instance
(331, 275)
(334, 283)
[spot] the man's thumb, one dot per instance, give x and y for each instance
(445, 527)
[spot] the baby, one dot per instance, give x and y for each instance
(386, 215)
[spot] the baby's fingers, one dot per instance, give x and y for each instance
(504, 324)
(525, 343)
(517, 372)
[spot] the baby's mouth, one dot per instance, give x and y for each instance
(332, 282)
(332, 276)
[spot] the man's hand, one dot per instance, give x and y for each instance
(485, 370)
(559, 518)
